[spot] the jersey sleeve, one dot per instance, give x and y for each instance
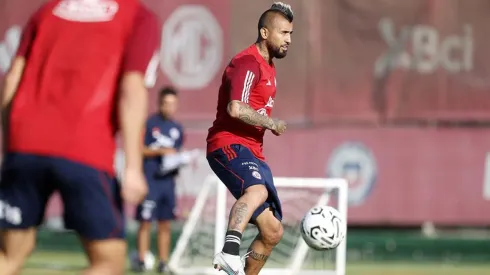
(243, 75)
(142, 47)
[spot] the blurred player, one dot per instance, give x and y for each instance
(235, 140)
(77, 78)
(162, 160)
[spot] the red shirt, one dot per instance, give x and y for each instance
(76, 52)
(250, 79)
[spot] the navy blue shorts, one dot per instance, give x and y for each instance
(238, 169)
(160, 202)
(91, 198)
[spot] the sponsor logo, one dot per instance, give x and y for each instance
(422, 48)
(87, 10)
(192, 47)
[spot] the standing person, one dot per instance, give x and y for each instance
(78, 78)
(235, 141)
(162, 160)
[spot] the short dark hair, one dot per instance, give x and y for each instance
(277, 8)
(167, 91)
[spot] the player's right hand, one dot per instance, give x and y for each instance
(134, 186)
(279, 127)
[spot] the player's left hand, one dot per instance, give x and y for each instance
(134, 186)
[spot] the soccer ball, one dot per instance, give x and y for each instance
(323, 228)
(149, 260)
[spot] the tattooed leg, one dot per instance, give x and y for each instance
(240, 215)
(261, 248)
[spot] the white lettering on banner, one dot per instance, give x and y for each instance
(9, 46)
(192, 47)
(9, 213)
(422, 49)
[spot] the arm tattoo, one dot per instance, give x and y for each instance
(237, 217)
(248, 115)
(258, 257)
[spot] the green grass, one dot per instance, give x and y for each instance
(62, 263)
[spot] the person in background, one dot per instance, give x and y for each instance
(162, 159)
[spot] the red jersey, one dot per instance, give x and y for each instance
(76, 52)
(252, 80)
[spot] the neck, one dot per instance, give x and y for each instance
(264, 51)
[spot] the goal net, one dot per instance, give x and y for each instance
(204, 231)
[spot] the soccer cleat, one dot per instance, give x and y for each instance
(139, 267)
(161, 267)
(231, 264)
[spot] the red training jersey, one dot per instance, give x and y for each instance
(252, 80)
(76, 53)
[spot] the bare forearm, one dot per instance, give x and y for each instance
(250, 116)
(133, 111)
(11, 81)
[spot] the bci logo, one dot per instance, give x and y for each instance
(423, 49)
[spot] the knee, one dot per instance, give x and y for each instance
(273, 234)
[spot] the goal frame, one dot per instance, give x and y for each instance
(301, 249)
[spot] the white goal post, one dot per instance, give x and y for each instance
(204, 232)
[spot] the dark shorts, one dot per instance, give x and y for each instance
(238, 169)
(160, 202)
(91, 198)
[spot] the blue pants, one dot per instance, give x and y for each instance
(159, 203)
(91, 198)
(238, 169)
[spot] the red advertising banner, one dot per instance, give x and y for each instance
(398, 176)
(423, 60)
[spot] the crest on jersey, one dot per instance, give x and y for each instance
(87, 10)
(256, 175)
(174, 133)
(354, 162)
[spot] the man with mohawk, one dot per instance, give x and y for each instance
(234, 143)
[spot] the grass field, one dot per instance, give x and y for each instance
(62, 263)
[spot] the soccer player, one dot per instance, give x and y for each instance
(235, 140)
(78, 78)
(163, 140)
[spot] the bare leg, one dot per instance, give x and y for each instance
(106, 257)
(144, 233)
(164, 234)
(16, 246)
(245, 206)
(270, 233)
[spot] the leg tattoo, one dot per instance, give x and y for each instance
(257, 256)
(238, 215)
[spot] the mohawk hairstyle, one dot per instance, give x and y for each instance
(284, 9)
(278, 7)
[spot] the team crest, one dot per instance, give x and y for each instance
(174, 133)
(256, 175)
(354, 162)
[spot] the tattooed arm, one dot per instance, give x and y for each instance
(245, 113)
